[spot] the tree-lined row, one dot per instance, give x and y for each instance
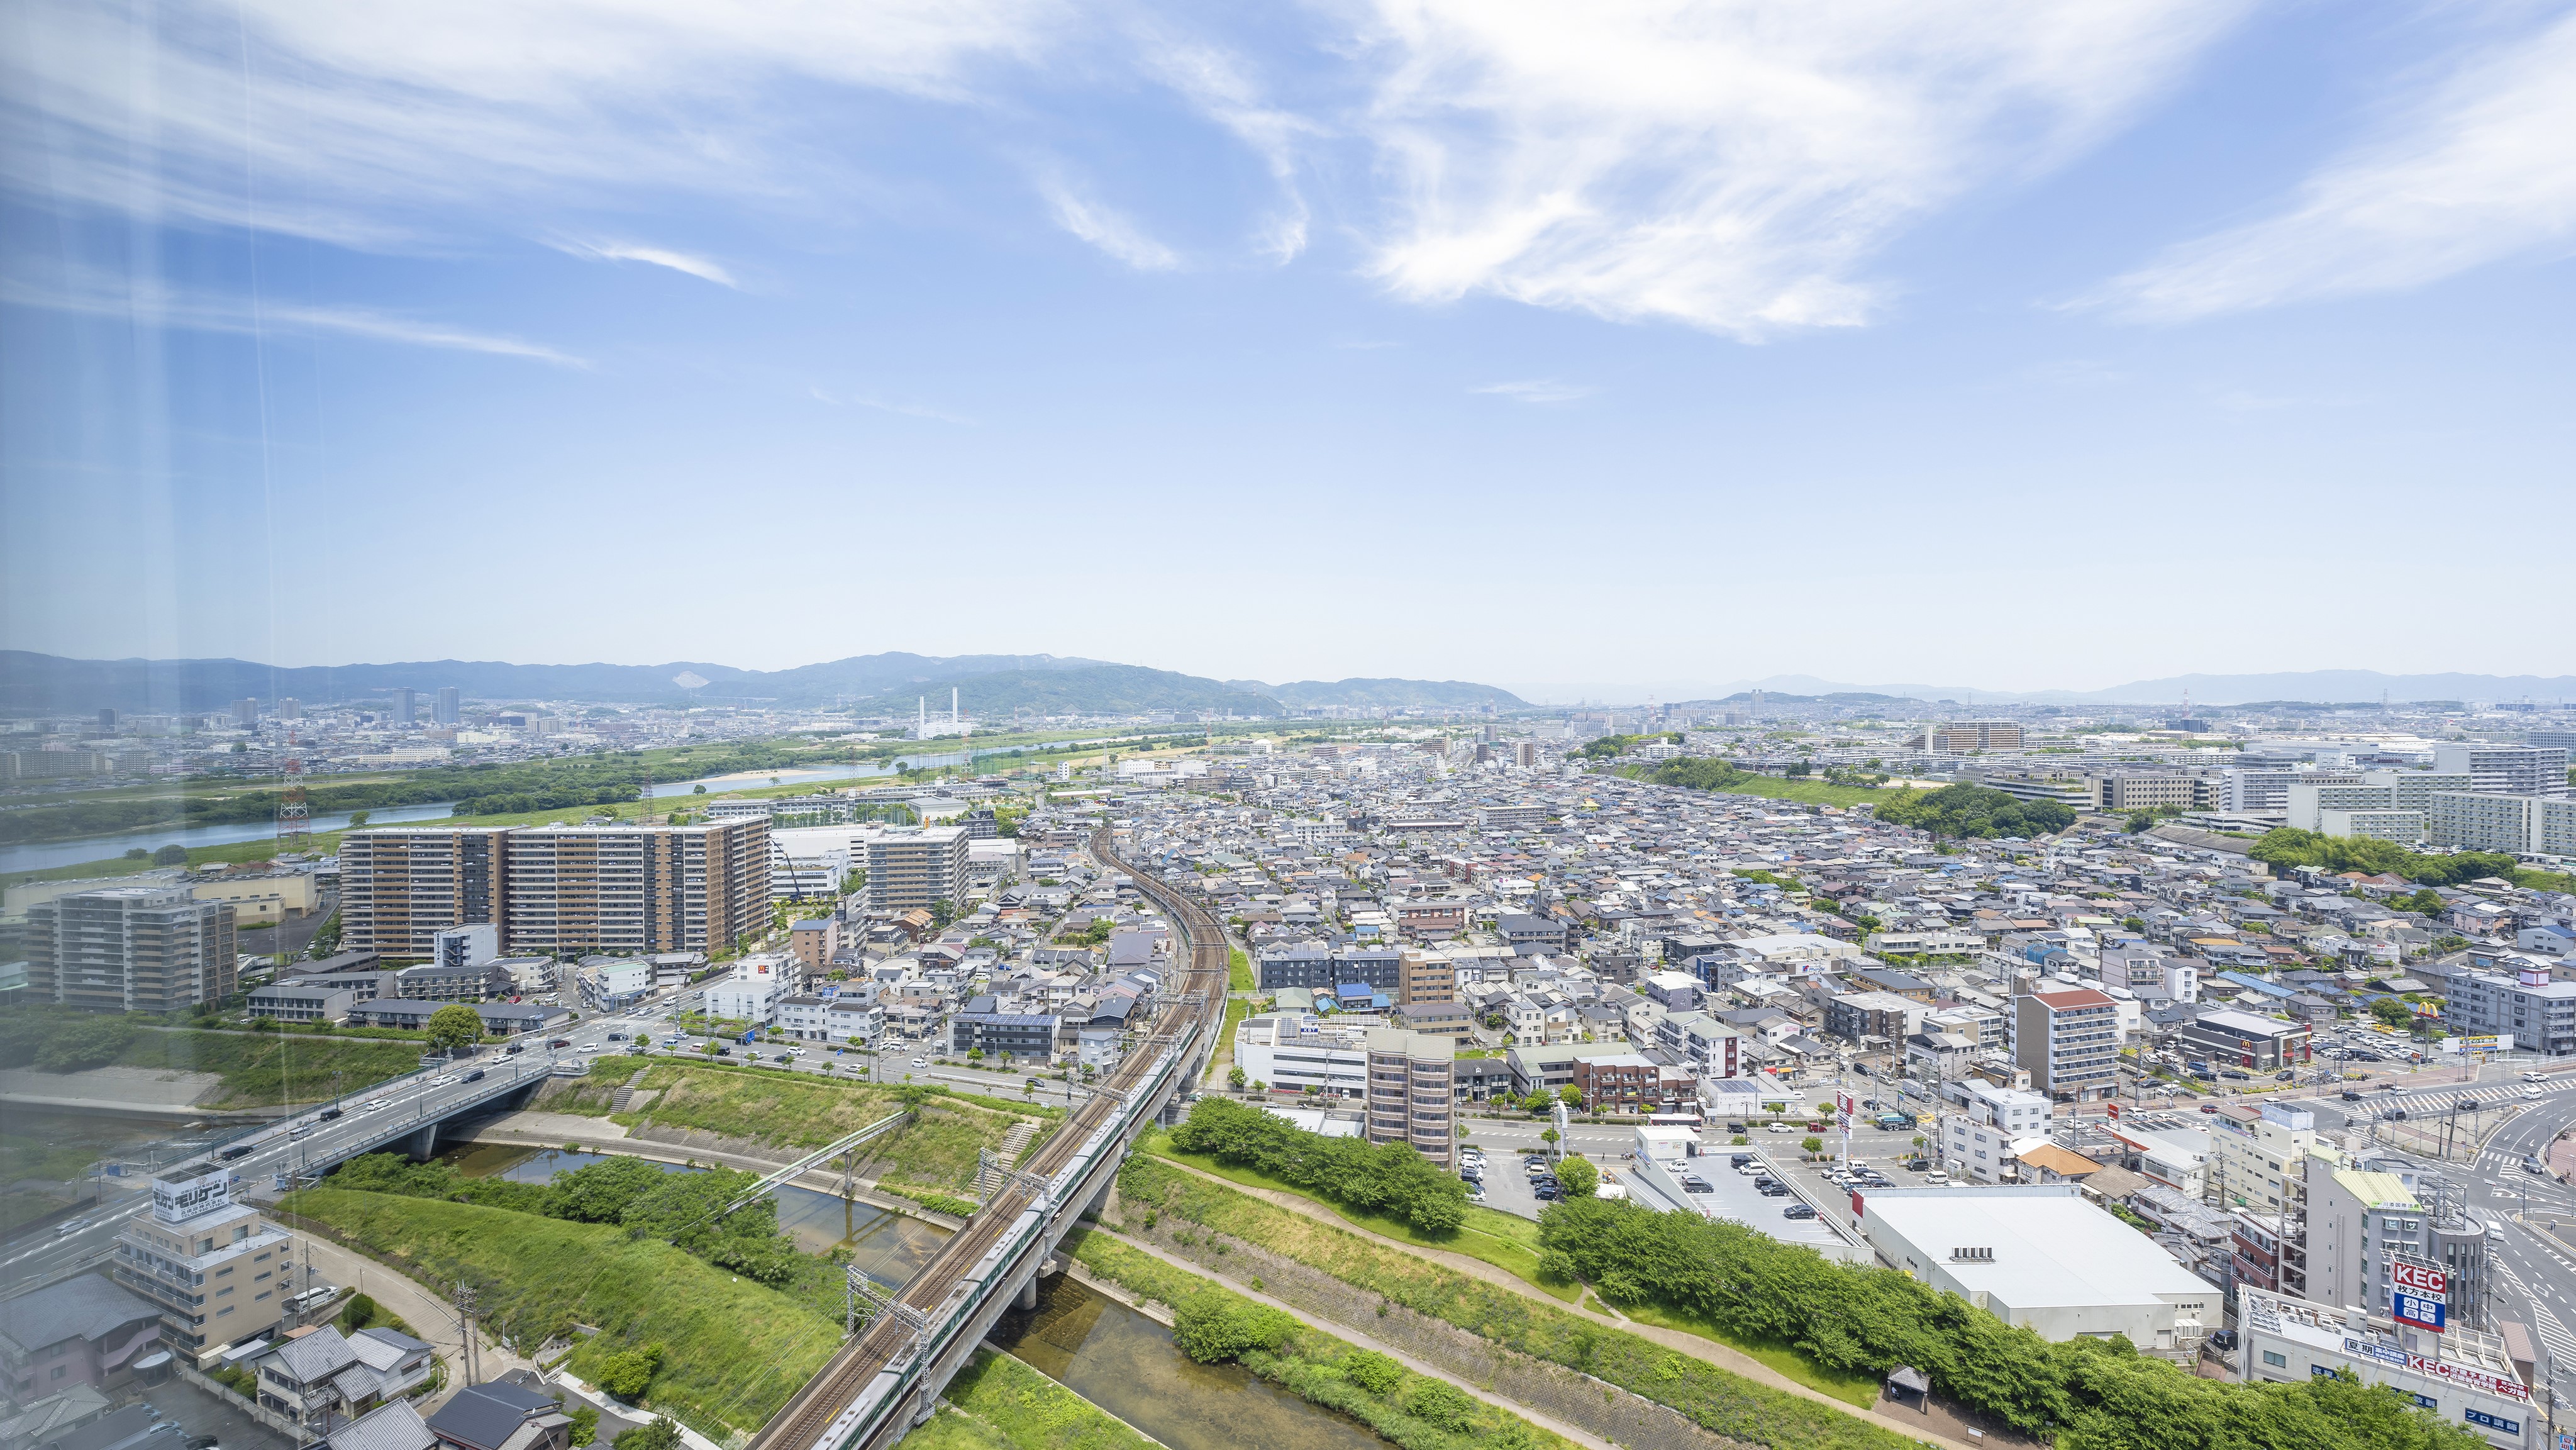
(1388, 1178)
(2086, 1394)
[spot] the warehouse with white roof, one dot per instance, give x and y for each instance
(2042, 1256)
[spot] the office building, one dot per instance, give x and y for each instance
(2068, 1041)
(2360, 1224)
(2505, 769)
(2146, 791)
(402, 887)
(130, 949)
(2228, 1038)
(1970, 737)
(2041, 1257)
(2539, 1011)
(2462, 1377)
(451, 705)
(218, 1271)
(916, 867)
(1411, 1098)
(636, 890)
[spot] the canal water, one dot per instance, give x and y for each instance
(887, 1247)
(1127, 1364)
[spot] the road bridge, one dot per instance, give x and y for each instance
(888, 1378)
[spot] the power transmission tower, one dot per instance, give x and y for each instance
(294, 812)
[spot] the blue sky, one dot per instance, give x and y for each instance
(1614, 347)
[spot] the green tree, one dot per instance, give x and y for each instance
(585, 1426)
(1213, 1325)
(1570, 1095)
(2141, 822)
(1547, 1136)
(1235, 1078)
(453, 1026)
(627, 1374)
(661, 1434)
(173, 854)
(1812, 1143)
(2393, 1012)
(1578, 1177)
(358, 822)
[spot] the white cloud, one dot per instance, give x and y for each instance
(1728, 167)
(372, 125)
(2481, 169)
(151, 304)
(1214, 80)
(1104, 227)
(699, 267)
(1538, 390)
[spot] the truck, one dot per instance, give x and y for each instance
(1892, 1120)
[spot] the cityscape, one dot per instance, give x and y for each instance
(1035, 725)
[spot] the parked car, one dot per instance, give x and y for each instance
(514, 1049)
(2222, 1339)
(1798, 1210)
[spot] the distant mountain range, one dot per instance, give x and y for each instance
(2318, 686)
(892, 683)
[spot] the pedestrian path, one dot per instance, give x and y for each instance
(2553, 1332)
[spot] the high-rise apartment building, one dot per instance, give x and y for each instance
(1412, 1097)
(2506, 769)
(451, 704)
(246, 711)
(555, 889)
(1966, 737)
(2068, 1041)
(909, 868)
(406, 705)
(130, 949)
(402, 886)
(635, 890)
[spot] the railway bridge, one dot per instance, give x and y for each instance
(888, 1378)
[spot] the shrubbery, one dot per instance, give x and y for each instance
(1973, 810)
(2286, 847)
(1388, 1178)
(646, 1199)
(2089, 1394)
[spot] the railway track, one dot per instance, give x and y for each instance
(1199, 1006)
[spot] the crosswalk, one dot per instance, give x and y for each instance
(2553, 1332)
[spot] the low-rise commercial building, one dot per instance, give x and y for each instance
(2463, 1377)
(2241, 1039)
(2044, 1258)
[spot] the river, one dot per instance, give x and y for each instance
(1127, 1364)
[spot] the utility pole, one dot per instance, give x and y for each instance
(465, 1326)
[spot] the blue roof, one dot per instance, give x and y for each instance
(1355, 989)
(2268, 989)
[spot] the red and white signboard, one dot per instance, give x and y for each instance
(2422, 1279)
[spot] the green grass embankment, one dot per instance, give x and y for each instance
(1506, 1241)
(733, 1350)
(1716, 1397)
(1413, 1411)
(789, 1113)
(1238, 971)
(1000, 1403)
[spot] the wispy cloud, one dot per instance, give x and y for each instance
(695, 266)
(2480, 169)
(1728, 167)
(152, 305)
(1538, 390)
(883, 405)
(1104, 227)
(1215, 81)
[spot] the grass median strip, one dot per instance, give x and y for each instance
(1415, 1411)
(1719, 1400)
